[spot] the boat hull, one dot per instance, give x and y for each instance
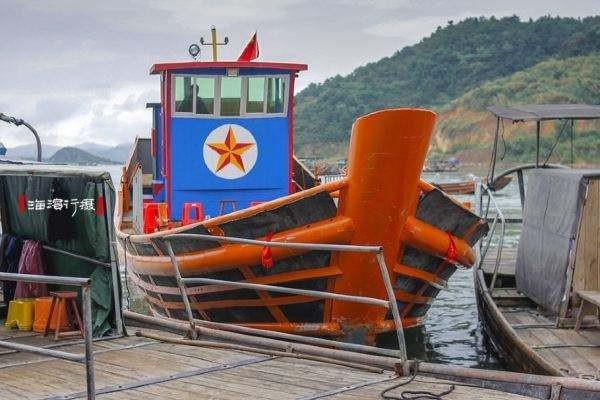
(424, 234)
(502, 338)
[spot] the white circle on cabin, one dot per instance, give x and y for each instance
(230, 151)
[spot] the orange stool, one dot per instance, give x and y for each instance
(186, 218)
(66, 300)
(42, 312)
(163, 216)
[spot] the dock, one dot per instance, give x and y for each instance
(137, 367)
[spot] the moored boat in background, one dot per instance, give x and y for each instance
(468, 187)
(532, 299)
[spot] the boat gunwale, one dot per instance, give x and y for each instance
(213, 222)
(482, 291)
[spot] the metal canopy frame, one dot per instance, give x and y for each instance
(537, 113)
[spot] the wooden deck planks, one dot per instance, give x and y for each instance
(538, 332)
(130, 368)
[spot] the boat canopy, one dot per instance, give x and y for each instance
(69, 211)
(537, 113)
(542, 112)
(548, 244)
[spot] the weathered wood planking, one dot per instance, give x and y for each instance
(140, 368)
(575, 352)
(586, 275)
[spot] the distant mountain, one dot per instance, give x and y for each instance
(29, 151)
(117, 154)
(442, 67)
(73, 155)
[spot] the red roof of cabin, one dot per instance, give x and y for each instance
(175, 66)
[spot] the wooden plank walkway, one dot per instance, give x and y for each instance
(141, 368)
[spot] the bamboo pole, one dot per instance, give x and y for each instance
(233, 346)
(510, 377)
(383, 362)
(315, 341)
(343, 355)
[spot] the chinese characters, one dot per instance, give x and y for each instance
(57, 204)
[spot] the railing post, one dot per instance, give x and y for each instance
(499, 215)
(478, 208)
(385, 276)
(182, 289)
(86, 301)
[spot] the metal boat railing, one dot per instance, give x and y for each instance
(481, 190)
(85, 285)
(390, 303)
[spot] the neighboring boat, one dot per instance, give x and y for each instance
(530, 298)
(468, 187)
(228, 156)
(449, 165)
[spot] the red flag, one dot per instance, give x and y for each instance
(250, 52)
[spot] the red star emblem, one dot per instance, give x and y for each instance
(230, 152)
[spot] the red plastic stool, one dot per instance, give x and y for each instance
(186, 217)
(150, 217)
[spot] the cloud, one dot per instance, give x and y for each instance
(78, 71)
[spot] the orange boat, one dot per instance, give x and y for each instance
(425, 235)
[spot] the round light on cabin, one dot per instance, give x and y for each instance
(194, 50)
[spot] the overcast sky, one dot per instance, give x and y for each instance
(78, 70)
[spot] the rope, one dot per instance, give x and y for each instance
(266, 257)
(415, 394)
(451, 252)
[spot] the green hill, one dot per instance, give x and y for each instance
(453, 60)
(464, 126)
(73, 155)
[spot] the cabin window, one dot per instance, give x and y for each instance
(184, 92)
(255, 97)
(205, 95)
(231, 95)
(275, 95)
(214, 96)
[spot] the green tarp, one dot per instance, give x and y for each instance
(67, 211)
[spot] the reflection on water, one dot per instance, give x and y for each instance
(451, 333)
